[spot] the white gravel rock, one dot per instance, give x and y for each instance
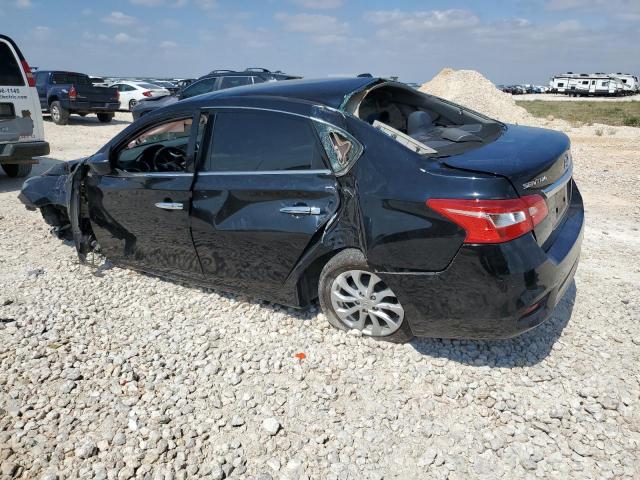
(271, 426)
(86, 449)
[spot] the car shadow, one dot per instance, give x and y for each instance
(527, 349)
(8, 184)
(89, 121)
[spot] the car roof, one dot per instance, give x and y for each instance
(330, 92)
(134, 82)
(13, 45)
(265, 74)
(67, 72)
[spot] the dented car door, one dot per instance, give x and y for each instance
(262, 192)
(139, 212)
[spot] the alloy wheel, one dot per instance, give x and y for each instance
(362, 301)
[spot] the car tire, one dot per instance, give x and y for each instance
(105, 117)
(344, 265)
(17, 170)
(132, 103)
(59, 114)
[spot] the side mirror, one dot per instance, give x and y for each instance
(100, 163)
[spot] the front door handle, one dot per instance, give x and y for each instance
(170, 205)
(301, 210)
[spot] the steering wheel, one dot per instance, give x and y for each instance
(168, 159)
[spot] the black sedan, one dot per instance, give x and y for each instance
(404, 214)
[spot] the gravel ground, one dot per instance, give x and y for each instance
(107, 373)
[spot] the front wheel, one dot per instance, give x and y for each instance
(352, 296)
(15, 170)
(105, 117)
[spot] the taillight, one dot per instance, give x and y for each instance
(493, 221)
(117, 94)
(147, 93)
(73, 93)
(28, 74)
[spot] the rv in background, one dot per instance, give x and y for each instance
(592, 84)
(630, 82)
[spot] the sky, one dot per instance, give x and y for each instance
(509, 41)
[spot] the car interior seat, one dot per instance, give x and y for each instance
(419, 123)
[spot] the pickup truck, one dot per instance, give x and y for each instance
(64, 93)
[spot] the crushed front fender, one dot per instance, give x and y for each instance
(74, 188)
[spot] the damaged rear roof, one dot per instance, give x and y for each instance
(325, 91)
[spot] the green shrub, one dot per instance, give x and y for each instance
(631, 121)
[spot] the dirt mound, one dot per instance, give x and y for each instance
(470, 89)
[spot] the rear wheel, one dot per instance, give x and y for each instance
(132, 103)
(59, 115)
(105, 117)
(15, 170)
(354, 297)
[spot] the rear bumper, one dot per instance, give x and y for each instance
(23, 152)
(94, 107)
(493, 291)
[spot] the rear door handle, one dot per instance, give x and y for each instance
(301, 210)
(170, 205)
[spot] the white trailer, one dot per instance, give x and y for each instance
(630, 83)
(558, 84)
(586, 84)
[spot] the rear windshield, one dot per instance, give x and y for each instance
(10, 73)
(70, 78)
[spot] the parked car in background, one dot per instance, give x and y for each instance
(133, 92)
(98, 81)
(215, 80)
(183, 82)
(21, 126)
(405, 214)
(65, 93)
(172, 87)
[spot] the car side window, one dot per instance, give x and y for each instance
(197, 88)
(230, 82)
(160, 148)
(41, 79)
(249, 141)
(10, 73)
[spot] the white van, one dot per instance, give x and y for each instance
(21, 127)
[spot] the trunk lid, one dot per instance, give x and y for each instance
(535, 161)
(531, 158)
(159, 92)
